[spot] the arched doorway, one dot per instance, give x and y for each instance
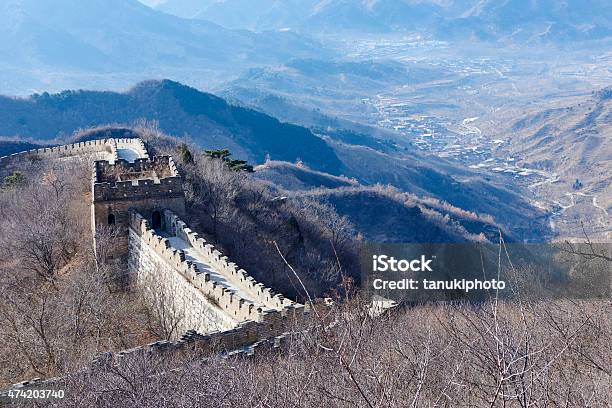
(111, 219)
(156, 221)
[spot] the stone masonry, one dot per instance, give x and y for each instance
(217, 306)
(142, 200)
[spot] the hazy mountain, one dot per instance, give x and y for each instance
(211, 122)
(316, 16)
(332, 87)
(208, 120)
(303, 76)
(524, 20)
(534, 20)
(181, 8)
(41, 41)
(573, 143)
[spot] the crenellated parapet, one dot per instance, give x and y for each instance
(236, 275)
(262, 305)
(144, 178)
(73, 149)
(222, 308)
(137, 188)
(104, 146)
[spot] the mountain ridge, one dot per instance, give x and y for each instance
(178, 109)
(526, 21)
(210, 122)
(67, 43)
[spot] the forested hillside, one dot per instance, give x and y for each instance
(177, 109)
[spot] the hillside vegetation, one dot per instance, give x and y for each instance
(59, 309)
(554, 354)
(177, 109)
(210, 122)
(380, 213)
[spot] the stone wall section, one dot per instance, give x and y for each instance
(107, 146)
(197, 288)
(213, 316)
(246, 339)
(237, 276)
(163, 287)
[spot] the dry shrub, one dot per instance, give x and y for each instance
(491, 355)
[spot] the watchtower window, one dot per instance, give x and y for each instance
(156, 220)
(111, 219)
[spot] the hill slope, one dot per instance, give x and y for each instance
(437, 194)
(385, 215)
(179, 110)
(573, 143)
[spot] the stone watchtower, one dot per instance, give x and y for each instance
(147, 186)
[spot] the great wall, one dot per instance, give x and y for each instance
(218, 307)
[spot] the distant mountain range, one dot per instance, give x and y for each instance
(110, 44)
(181, 8)
(103, 35)
(524, 20)
(43, 43)
(533, 21)
(211, 122)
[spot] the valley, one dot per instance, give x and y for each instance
(444, 103)
(431, 109)
(195, 195)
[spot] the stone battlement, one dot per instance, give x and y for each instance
(144, 178)
(106, 146)
(269, 307)
(222, 308)
(239, 277)
(149, 185)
